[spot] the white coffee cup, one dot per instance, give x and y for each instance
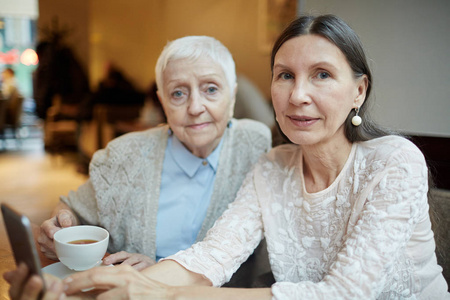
(80, 257)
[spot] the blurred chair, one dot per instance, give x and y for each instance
(61, 126)
(10, 116)
(114, 120)
(3, 104)
(251, 103)
(439, 201)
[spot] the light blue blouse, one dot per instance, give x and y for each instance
(186, 187)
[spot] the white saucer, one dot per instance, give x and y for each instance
(61, 271)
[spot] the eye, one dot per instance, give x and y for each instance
(177, 94)
(211, 89)
(178, 97)
(323, 75)
(286, 76)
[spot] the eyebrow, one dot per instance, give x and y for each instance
(212, 75)
(313, 66)
(279, 65)
(326, 63)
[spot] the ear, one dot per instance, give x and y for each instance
(363, 83)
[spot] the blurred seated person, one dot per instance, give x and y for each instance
(152, 114)
(159, 191)
(60, 83)
(9, 84)
(12, 101)
(116, 89)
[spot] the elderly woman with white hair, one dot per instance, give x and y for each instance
(159, 191)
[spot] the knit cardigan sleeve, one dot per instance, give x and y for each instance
(122, 192)
(245, 141)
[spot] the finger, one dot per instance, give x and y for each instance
(101, 278)
(9, 275)
(17, 280)
(134, 259)
(49, 227)
(48, 251)
(45, 238)
(138, 258)
(116, 257)
(32, 288)
(46, 246)
(139, 262)
(55, 289)
(50, 255)
(65, 218)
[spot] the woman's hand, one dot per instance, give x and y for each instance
(63, 218)
(137, 261)
(120, 282)
(30, 289)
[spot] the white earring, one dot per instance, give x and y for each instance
(356, 120)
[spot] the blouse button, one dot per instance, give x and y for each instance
(204, 162)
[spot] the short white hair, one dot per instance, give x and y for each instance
(193, 48)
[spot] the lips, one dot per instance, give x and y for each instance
(198, 125)
(302, 121)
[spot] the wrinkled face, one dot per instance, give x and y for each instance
(198, 103)
(313, 90)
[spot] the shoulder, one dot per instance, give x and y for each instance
(251, 127)
(251, 132)
(140, 136)
(134, 143)
(391, 148)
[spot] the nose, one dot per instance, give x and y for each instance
(300, 93)
(195, 105)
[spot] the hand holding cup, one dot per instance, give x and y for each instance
(63, 218)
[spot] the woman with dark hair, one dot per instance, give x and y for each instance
(343, 208)
(340, 34)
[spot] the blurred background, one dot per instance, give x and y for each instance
(82, 71)
(75, 62)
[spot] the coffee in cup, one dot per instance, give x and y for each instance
(81, 247)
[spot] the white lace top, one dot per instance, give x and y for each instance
(367, 236)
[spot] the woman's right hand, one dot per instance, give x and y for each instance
(62, 219)
(137, 261)
(27, 290)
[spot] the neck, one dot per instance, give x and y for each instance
(203, 152)
(322, 164)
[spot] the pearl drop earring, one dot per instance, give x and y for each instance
(356, 120)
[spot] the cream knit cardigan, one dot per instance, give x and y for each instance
(122, 192)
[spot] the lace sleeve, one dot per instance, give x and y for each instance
(373, 259)
(229, 242)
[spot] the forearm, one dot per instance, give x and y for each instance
(171, 273)
(190, 285)
(200, 293)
